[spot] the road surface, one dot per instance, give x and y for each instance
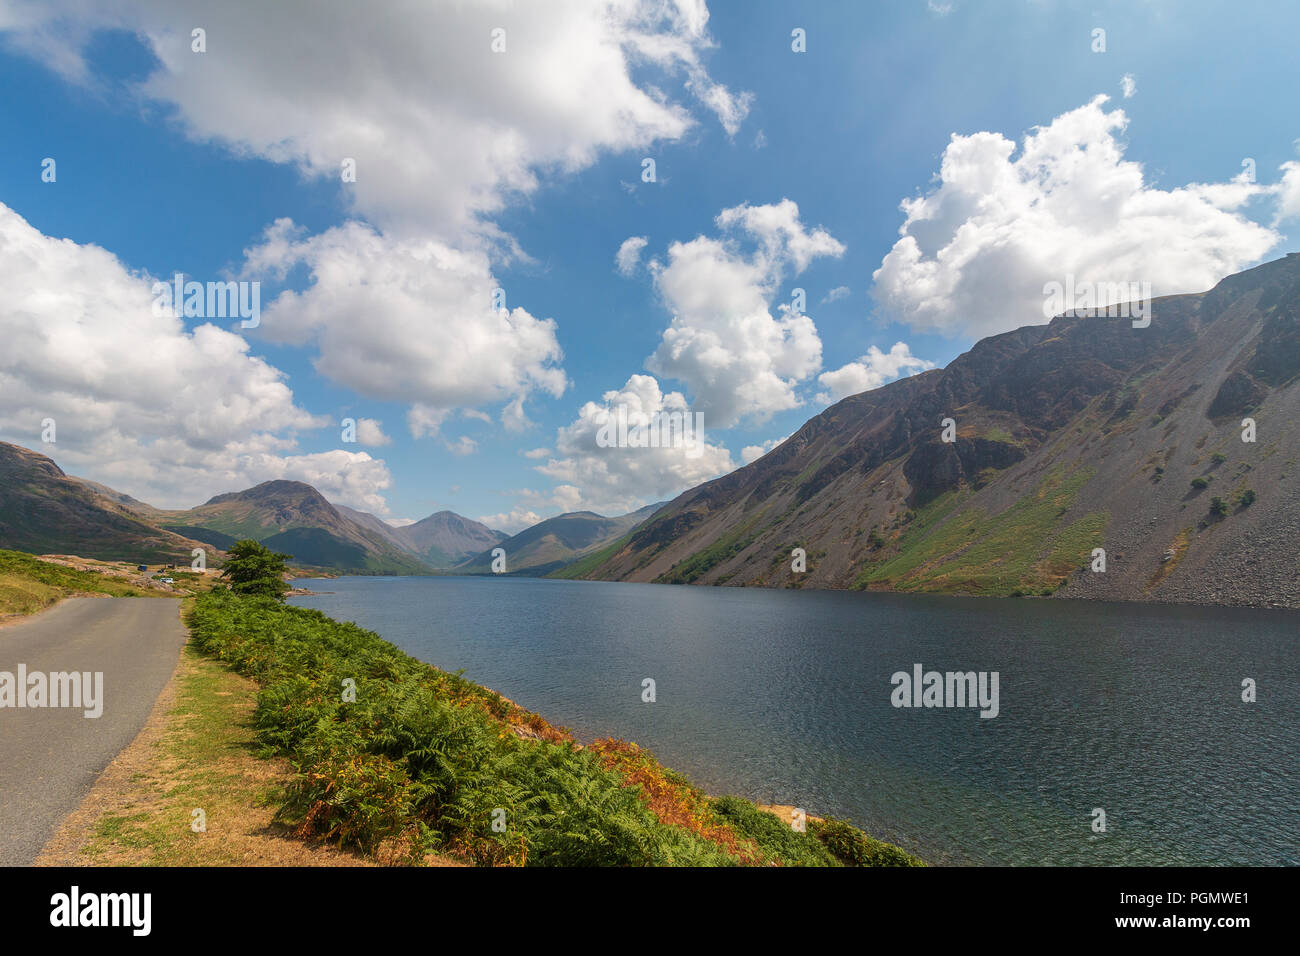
(50, 757)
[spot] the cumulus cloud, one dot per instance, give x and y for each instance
(1128, 85)
(736, 357)
(167, 415)
(629, 254)
(371, 432)
(538, 452)
(976, 250)
(871, 371)
(837, 293)
(443, 130)
(350, 478)
(406, 320)
(613, 480)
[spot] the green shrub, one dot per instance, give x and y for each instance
(777, 839)
(255, 570)
(421, 755)
(1247, 498)
(1218, 506)
(855, 848)
(1199, 483)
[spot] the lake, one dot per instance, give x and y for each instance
(784, 696)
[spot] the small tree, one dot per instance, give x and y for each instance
(1218, 506)
(254, 569)
(1247, 498)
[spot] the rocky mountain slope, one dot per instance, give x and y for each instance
(1081, 434)
(556, 543)
(445, 539)
(44, 511)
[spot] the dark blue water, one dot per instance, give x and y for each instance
(784, 697)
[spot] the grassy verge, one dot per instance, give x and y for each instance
(28, 584)
(196, 753)
(389, 751)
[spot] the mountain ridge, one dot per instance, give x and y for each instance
(1078, 434)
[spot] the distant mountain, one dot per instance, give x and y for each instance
(378, 525)
(1080, 434)
(44, 511)
(445, 539)
(294, 518)
(551, 545)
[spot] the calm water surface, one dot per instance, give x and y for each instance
(784, 697)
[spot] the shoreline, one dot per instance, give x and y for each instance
(534, 760)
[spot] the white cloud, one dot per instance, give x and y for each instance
(1128, 85)
(511, 522)
(443, 130)
(406, 320)
(1288, 193)
(444, 133)
(538, 453)
(871, 371)
(977, 249)
(629, 254)
(724, 343)
(730, 108)
(167, 415)
(752, 453)
(612, 480)
(561, 499)
(371, 432)
(837, 293)
(399, 522)
(513, 416)
(351, 478)
(464, 445)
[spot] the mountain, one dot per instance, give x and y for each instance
(445, 539)
(294, 518)
(551, 545)
(1080, 434)
(44, 511)
(126, 501)
(378, 525)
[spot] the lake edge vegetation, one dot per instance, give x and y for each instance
(394, 756)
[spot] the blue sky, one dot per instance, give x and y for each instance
(523, 170)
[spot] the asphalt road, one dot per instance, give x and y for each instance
(50, 757)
